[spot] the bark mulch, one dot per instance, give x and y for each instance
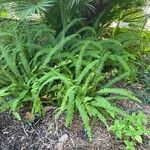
(49, 134)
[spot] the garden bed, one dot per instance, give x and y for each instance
(78, 65)
(48, 134)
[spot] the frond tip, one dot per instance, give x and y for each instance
(119, 91)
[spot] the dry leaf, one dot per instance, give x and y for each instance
(29, 116)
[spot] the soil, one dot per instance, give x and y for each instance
(51, 134)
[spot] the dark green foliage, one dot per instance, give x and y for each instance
(144, 92)
(119, 10)
(132, 45)
(58, 13)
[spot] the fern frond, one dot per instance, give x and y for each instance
(78, 63)
(87, 83)
(108, 107)
(92, 54)
(62, 78)
(101, 102)
(4, 92)
(116, 79)
(124, 63)
(19, 49)
(68, 95)
(70, 106)
(13, 103)
(56, 48)
(41, 52)
(98, 76)
(10, 61)
(37, 105)
(86, 70)
(84, 116)
(61, 35)
(118, 91)
(93, 111)
(118, 98)
(88, 28)
(112, 45)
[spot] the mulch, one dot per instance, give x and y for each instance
(49, 134)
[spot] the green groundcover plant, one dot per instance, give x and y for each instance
(131, 129)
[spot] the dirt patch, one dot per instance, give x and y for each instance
(43, 134)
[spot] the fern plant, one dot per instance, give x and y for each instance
(21, 68)
(85, 93)
(70, 68)
(136, 48)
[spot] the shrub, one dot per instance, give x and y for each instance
(59, 14)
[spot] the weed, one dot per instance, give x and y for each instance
(131, 128)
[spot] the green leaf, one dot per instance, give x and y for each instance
(139, 139)
(70, 107)
(129, 145)
(119, 134)
(119, 91)
(86, 70)
(84, 116)
(68, 95)
(17, 115)
(115, 80)
(102, 102)
(37, 105)
(4, 92)
(94, 111)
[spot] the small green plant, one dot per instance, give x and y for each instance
(84, 91)
(58, 56)
(131, 128)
